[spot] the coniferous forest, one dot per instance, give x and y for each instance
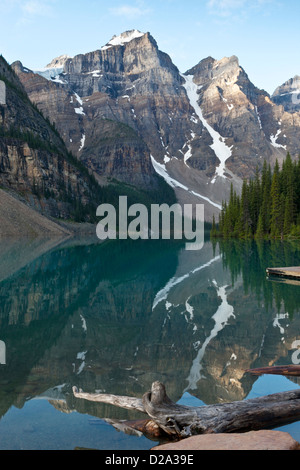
(268, 207)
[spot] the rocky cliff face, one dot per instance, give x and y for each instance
(34, 162)
(95, 101)
(125, 110)
(253, 126)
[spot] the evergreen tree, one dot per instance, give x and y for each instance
(276, 205)
(268, 207)
(214, 231)
(244, 224)
(261, 230)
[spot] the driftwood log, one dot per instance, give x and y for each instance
(179, 421)
(288, 370)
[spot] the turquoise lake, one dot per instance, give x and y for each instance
(114, 317)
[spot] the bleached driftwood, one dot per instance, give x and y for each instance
(182, 421)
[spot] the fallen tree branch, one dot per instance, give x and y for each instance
(122, 402)
(290, 370)
(183, 421)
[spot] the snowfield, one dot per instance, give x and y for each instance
(222, 151)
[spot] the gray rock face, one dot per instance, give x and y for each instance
(100, 94)
(34, 161)
(126, 107)
(288, 95)
(242, 114)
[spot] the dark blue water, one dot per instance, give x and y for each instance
(115, 317)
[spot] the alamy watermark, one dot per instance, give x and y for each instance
(296, 92)
(160, 222)
(2, 353)
(2, 92)
(296, 354)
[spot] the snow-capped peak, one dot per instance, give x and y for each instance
(123, 38)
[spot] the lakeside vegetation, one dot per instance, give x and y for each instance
(268, 207)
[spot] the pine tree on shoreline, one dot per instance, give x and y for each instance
(268, 207)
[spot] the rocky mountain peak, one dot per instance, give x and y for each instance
(125, 109)
(226, 64)
(290, 85)
(58, 62)
(226, 71)
(211, 69)
(18, 66)
(202, 72)
(130, 54)
(123, 38)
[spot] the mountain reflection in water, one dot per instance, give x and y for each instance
(114, 317)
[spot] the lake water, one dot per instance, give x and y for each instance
(114, 317)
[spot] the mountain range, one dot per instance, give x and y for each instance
(130, 117)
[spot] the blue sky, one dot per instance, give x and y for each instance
(264, 34)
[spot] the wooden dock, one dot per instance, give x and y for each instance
(289, 272)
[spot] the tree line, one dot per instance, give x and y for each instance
(267, 208)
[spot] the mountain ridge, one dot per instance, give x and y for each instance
(133, 83)
(40, 176)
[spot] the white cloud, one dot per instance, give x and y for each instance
(24, 12)
(37, 8)
(225, 8)
(31, 10)
(130, 12)
(226, 4)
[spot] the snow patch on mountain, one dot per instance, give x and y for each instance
(258, 117)
(95, 74)
(225, 100)
(167, 156)
(57, 79)
(274, 142)
(188, 154)
(123, 38)
(79, 100)
(82, 142)
(222, 151)
(162, 171)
